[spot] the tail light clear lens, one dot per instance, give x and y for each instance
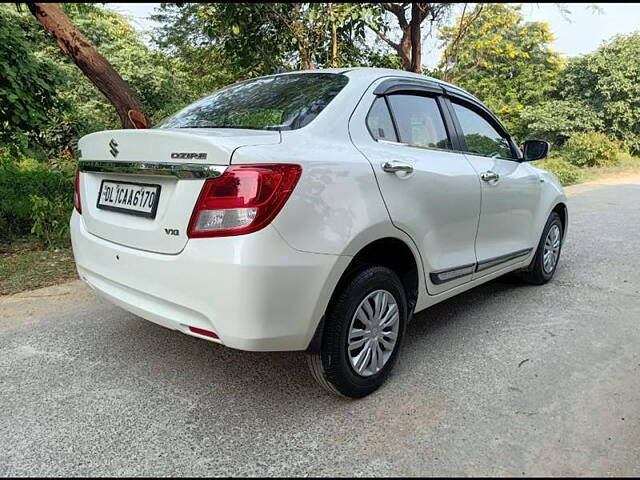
(244, 199)
(76, 195)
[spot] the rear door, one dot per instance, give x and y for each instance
(138, 187)
(511, 189)
(431, 191)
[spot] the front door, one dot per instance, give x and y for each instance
(431, 192)
(510, 192)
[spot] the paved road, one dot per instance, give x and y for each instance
(503, 380)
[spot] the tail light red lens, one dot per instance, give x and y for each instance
(244, 199)
(76, 195)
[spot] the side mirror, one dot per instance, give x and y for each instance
(535, 150)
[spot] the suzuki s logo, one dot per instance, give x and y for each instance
(172, 231)
(114, 150)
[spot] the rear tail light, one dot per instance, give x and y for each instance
(244, 199)
(76, 194)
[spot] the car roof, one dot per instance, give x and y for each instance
(374, 73)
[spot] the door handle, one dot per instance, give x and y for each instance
(489, 176)
(395, 166)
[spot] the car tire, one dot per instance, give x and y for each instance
(541, 270)
(361, 318)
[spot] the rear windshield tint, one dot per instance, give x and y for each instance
(282, 102)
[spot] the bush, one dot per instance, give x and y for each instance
(607, 80)
(626, 161)
(35, 198)
(557, 120)
(565, 171)
(592, 149)
(50, 219)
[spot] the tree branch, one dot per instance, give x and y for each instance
(94, 66)
(451, 52)
(460, 76)
(399, 11)
(394, 45)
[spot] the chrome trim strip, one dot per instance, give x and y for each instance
(492, 262)
(445, 150)
(184, 171)
(442, 276)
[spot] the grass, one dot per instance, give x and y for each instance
(626, 164)
(569, 174)
(24, 265)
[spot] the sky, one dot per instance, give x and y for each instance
(582, 31)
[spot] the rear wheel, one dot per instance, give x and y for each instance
(364, 328)
(545, 262)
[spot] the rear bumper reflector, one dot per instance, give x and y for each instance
(202, 331)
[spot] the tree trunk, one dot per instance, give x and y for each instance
(405, 51)
(410, 46)
(334, 38)
(93, 65)
(415, 27)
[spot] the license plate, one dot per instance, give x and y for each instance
(127, 197)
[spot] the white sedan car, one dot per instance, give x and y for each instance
(313, 211)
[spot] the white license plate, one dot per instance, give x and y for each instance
(127, 197)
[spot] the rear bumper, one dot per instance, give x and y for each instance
(254, 291)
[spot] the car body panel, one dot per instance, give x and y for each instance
(509, 207)
(438, 204)
(176, 196)
(268, 290)
(157, 145)
(248, 289)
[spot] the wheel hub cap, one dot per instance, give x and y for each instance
(551, 249)
(373, 333)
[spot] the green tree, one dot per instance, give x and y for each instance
(93, 65)
(231, 38)
(241, 40)
(507, 62)
(154, 77)
(73, 106)
(29, 80)
(557, 120)
(409, 46)
(607, 81)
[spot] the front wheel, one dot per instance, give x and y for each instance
(545, 262)
(363, 332)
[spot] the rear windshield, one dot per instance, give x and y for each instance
(282, 102)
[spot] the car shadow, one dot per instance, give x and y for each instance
(459, 308)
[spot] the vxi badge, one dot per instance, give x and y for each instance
(188, 156)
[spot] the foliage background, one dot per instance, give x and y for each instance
(588, 107)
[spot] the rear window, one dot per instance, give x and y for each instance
(281, 102)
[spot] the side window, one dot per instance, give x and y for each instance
(379, 121)
(419, 121)
(480, 136)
